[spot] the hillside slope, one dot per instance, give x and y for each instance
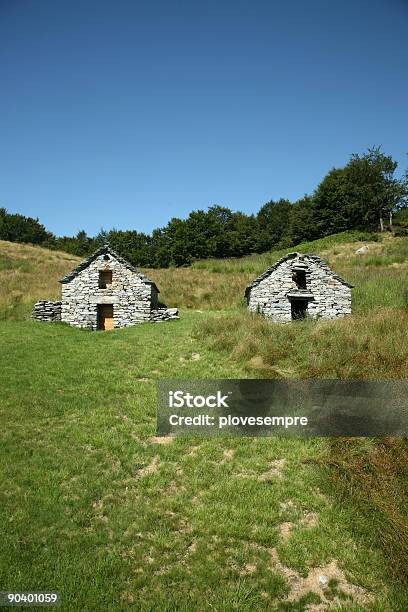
(29, 273)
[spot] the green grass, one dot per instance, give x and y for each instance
(94, 507)
(366, 346)
(258, 263)
(378, 288)
(8, 263)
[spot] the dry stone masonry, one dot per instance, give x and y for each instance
(104, 292)
(45, 310)
(163, 314)
(299, 286)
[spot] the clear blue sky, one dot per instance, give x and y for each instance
(124, 113)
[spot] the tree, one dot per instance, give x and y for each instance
(332, 202)
(303, 221)
(101, 238)
(273, 223)
(81, 244)
(360, 195)
(172, 244)
(134, 246)
(18, 228)
(376, 192)
(242, 235)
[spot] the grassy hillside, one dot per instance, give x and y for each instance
(30, 273)
(379, 277)
(93, 505)
(27, 274)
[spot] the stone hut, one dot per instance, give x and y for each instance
(104, 292)
(297, 286)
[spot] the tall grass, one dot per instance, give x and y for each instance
(27, 274)
(369, 346)
(377, 287)
(368, 477)
(373, 476)
(200, 289)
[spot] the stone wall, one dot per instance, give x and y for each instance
(328, 296)
(130, 293)
(163, 314)
(46, 310)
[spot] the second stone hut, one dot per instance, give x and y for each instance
(298, 286)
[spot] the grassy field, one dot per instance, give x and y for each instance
(30, 273)
(94, 506)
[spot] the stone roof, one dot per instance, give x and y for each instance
(317, 260)
(106, 250)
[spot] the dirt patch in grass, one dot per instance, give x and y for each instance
(286, 505)
(257, 363)
(162, 440)
(285, 529)
(193, 450)
(228, 454)
(274, 471)
(248, 569)
(307, 522)
(149, 469)
(327, 581)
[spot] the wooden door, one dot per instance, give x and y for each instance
(105, 316)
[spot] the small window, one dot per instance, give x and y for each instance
(300, 279)
(105, 279)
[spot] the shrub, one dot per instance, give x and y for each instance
(400, 231)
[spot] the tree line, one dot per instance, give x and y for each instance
(365, 194)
